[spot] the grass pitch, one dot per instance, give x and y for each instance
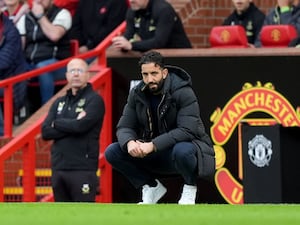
(160, 214)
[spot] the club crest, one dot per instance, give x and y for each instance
(260, 151)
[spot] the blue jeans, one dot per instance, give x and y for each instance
(46, 80)
(179, 160)
(90, 60)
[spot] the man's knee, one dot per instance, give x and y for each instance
(184, 150)
(111, 151)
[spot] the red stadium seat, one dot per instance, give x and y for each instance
(228, 37)
(277, 35)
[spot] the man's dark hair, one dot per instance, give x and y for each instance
(152, 57)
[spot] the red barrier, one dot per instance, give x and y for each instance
(26, 142)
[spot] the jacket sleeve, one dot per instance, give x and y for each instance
(129, 32)
(296, 20)
(128, 124)
(166, 19)
(94, 109)
(48, 131)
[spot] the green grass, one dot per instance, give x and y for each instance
(132, 214)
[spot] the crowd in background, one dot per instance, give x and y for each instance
(46, 27)
(248, 15)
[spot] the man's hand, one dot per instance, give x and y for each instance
(83, 49)
(81, 115)
(146, 147)
(133, 148)
(121, 43)
(37, 8)
(140, 149)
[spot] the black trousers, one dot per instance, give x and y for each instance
(74, 186)
(179, 160)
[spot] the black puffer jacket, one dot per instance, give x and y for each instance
(178, 114)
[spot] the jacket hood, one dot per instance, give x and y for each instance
(177, 78)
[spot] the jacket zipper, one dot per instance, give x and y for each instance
(36, 44)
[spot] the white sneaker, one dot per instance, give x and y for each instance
(188, 195)
(151, 195)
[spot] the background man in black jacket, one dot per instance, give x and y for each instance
(152, 24)
(159, 130)
(246, 14)
(74, 123)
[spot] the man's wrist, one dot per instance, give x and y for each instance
(285, 9)
(39, 16)
(154, 147)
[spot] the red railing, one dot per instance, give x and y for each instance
(8, 84)
(26, 141)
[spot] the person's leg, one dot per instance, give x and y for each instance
(46, 81)
(60, 191)
(185, 159)
(82, 185)
(60, 74)
(180, 160)
(127, 165)
(139, 171)
(90, 60)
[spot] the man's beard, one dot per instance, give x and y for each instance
(158, 87)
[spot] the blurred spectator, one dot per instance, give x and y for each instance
(12, 61)
(248, 15)
(70, 5)
(152, 24)
(296, 2)
(285, 12)
(14, 9)
(95, 19)
(296, 41)
(45, 40)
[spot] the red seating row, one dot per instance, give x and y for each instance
(235, 36)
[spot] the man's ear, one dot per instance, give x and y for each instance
(165, 73)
